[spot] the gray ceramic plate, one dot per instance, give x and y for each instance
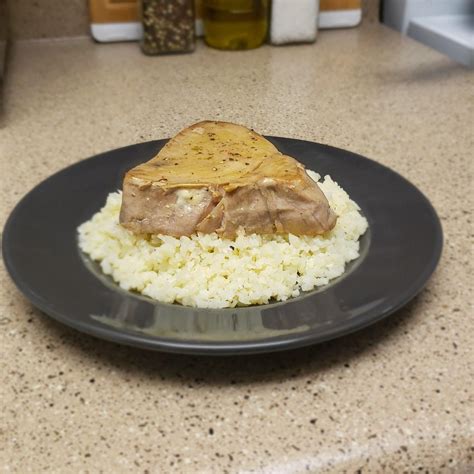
(398, 254)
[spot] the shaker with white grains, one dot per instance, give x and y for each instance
(294, 21)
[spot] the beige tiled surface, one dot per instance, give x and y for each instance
(48, 18)
(394, 397)
(371, 10)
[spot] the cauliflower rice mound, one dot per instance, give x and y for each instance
(208, 271)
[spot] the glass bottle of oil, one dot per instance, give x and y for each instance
(235, 24)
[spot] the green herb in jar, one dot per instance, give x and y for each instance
(168, 26)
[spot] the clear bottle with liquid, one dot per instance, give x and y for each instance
(235, 24)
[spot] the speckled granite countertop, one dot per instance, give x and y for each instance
(394, 397)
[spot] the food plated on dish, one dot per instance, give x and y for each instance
(398, 253)
(220, 218)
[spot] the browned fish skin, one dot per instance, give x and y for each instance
(217, 177)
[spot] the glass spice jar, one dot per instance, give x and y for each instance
(235, 24)
(168, 26)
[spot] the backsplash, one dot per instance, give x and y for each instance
(48, 18)
(59, 18)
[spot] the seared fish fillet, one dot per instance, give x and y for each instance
(217, 177)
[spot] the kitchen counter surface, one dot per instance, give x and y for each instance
(394, 397)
